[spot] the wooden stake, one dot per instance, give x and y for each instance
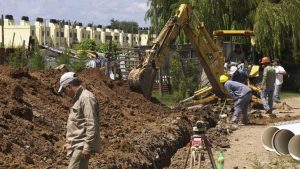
(2, 29)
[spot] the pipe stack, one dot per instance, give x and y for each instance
(283, 138)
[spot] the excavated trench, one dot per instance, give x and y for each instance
(135, 132)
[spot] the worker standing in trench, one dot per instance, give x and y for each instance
(82, 138)
(241, 94)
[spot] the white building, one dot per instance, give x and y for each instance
(57, 34)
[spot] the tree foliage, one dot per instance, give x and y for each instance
(277, 27)
(126, 26)
(79, 64)
(36, 60)
(183, 81)
(16, 59)
(63, 58)
(86, 45)
(275, 22)
(109, 49)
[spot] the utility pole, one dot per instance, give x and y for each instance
(59, 33)
(2, 29)
(44, 32)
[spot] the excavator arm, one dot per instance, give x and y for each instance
(142, 77)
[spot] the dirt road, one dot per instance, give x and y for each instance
(246, 150)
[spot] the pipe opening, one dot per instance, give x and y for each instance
(280, 141)
(294, 148)
(267, 137)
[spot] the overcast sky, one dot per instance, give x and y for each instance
(85, 11)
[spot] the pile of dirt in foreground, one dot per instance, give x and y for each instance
(135, 133)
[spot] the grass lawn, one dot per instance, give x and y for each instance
(167, 99)
(286, 94)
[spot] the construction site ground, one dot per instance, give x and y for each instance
(246, 150)
(135, 132)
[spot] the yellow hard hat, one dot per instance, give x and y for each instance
(223, 78)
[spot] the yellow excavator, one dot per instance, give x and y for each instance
(142, 77)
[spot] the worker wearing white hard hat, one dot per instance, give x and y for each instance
(82, 137)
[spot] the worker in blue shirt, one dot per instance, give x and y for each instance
(241, 94)
(238, 75)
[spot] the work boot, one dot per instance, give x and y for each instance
(233, 126)
(272, 115)
(269, 111)
(243, 123)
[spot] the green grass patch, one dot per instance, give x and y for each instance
(167, 99)
(287, 94)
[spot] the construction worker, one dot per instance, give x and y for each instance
(279, 70)
(238, 75)
(237, 56)
(267, 85)
(241, 94)
(82, 138)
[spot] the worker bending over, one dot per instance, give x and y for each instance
(241, 94)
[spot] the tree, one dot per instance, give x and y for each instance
(36, 60)
(86, 45)
(79, 64)
(126, 26)
(63, 58)
(277, 27)
(16, 60)
(108, 49)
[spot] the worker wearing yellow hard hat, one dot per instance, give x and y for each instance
(241, 94)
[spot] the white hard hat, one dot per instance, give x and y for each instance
(233, 69)
(65, 79)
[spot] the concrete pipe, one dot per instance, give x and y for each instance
(267, 137)
(269, 132)
(281, 138)
(294, 147)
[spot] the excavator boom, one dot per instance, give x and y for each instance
(141, 78)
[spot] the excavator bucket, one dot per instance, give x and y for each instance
(141, 80)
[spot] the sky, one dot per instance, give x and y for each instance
(98, 12)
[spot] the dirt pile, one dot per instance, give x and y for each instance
(135, 133)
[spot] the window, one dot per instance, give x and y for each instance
(75, 35)
(32, 32)
(127, 38)
(48, 33)
(43, 33)
(61, 34)
(88, 36)
(70, 34)
(57, 34)
(116, 37)
(82, 35)
(108, 37)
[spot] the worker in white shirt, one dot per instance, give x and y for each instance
(279, 71)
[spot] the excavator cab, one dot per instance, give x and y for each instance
(228, 46)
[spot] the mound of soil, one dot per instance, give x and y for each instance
(135, 132)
